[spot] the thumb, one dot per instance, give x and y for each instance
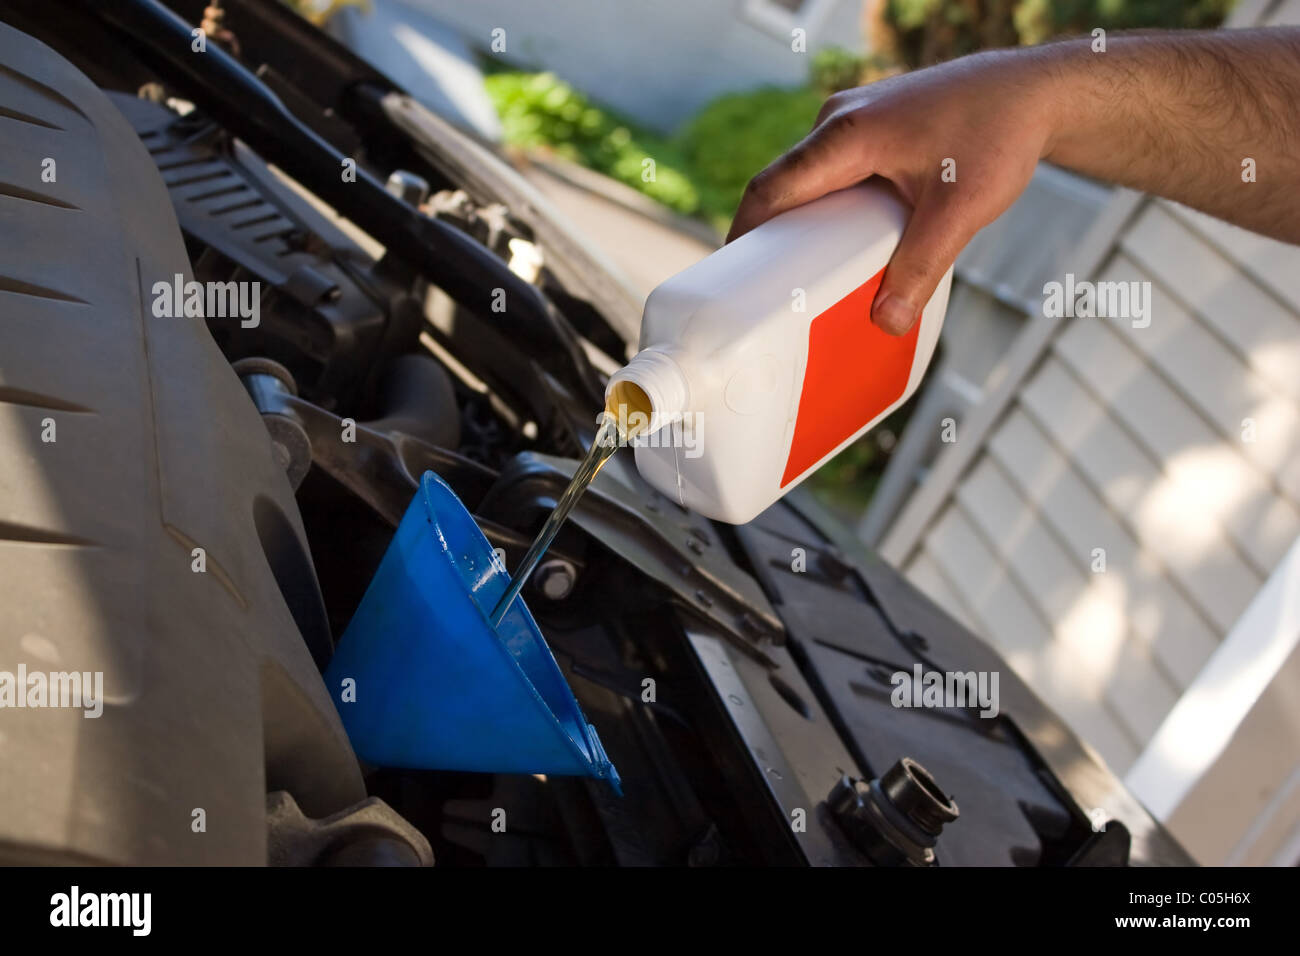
(930, 243)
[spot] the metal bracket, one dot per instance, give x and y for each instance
(679, 550)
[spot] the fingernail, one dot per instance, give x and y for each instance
(892, 313)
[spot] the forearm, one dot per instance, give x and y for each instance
(1179, 114)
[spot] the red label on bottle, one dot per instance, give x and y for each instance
(855, 371)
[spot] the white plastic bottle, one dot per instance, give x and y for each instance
(760, 362)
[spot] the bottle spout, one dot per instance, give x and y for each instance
(648, 393)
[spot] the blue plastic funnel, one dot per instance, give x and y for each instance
(434, 686)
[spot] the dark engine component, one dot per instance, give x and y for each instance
(896, 818)
(328, 312)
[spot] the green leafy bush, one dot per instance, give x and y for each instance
(738, 134)
(541, 111)
(701, 171)
(835, 69)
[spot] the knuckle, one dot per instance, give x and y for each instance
(832, 104)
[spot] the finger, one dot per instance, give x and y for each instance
(833, 104)
(933, 237)
(834, 155)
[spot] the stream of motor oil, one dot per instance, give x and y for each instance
(602, 449)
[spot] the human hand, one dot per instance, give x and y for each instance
(985, 119)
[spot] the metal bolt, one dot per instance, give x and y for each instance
(408, 186)
(555, 579)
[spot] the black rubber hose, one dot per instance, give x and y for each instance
(462, 267)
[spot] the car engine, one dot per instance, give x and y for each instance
(228, 466)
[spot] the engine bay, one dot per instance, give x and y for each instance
(739, 678)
